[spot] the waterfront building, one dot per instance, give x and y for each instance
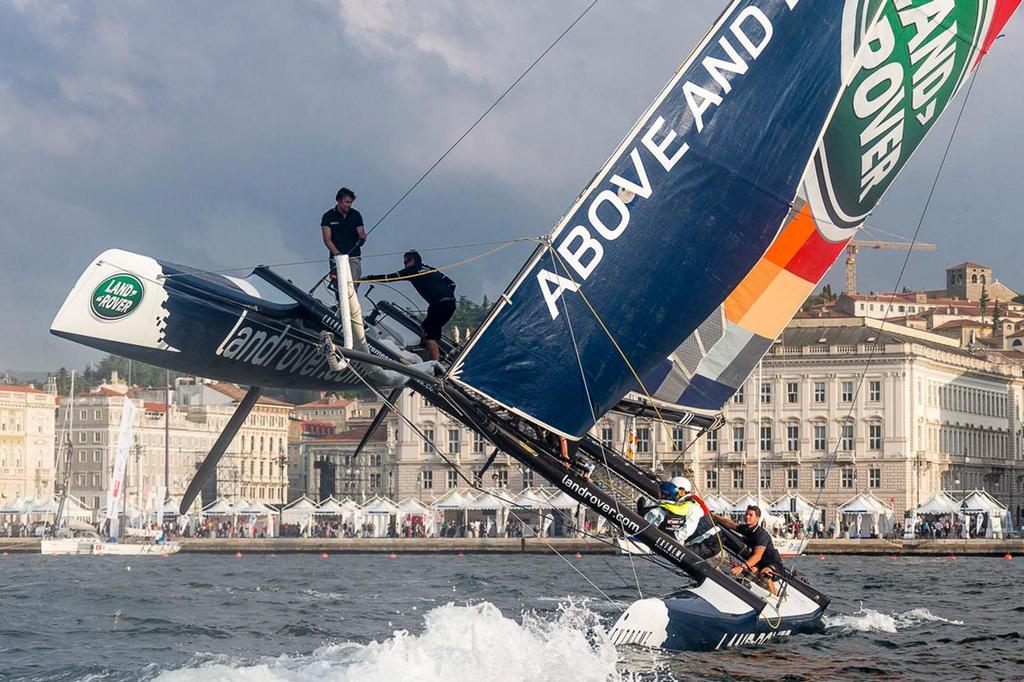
(27, 439)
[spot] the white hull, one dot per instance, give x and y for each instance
(787, 547)
(66, 546)
(134, 549)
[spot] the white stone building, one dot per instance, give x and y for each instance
(27, 439)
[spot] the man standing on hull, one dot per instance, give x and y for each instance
(436, 289)
(344, 233)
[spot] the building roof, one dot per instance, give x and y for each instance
(969, 264)
(353, 436)
(236, 393)
(852, 334)
(328, 402)
(1016, 335)
(12, 388)
(153, 407)
(959, 324)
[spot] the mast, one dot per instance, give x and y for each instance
(760, 426)
(69, 417)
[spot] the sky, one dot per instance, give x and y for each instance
(216, 134)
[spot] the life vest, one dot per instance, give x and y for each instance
(676, 518)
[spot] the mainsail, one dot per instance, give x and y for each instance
(673, 222)
(919, 56)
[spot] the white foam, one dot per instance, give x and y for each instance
(869, 620)
(458, 643)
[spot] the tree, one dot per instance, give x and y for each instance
(468, 314)
(983, 299)
(996, 322)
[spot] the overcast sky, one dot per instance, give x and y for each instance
(216, 134)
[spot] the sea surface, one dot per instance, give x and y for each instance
(482, 617)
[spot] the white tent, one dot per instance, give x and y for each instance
(453, 499)
(939, 503)
(797, 506)
(170, 507)
(718, 504)
(300, 513)
(411, 508)
(220, 507)
(379, 511)
(18, 506)
(329, 507)
(532, 498)
(768, 519)
(563, 501)
(866, 516)
(976, 506)
(490, 500)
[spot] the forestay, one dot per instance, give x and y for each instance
(672, 223)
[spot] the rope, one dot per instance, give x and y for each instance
(481, 117)
(450, 266)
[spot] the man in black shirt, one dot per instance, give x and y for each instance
(435, 288)
(344, 233)
(764, 560)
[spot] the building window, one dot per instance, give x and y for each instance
(678, 438)
(712, 441)
(454, 441)
(766, 478)
(82, 437)
(738, 438)
(875, 436)
(819, 478)
(819, 391)
(766, 437)
(846, 438)
(792, 392)
(95, 480)
(766, 393)
(452, 479)
(428, 440)
(847, 392)
(819, 437)
(479, 443)
(643, 439)
(502, 478)
(874, 391)
(792, 437)
(83, 415)
(792, 478)
(711, 479)
(738, 397)
(97, 456)
(608, 437)
(874, 478)
(81, 455)
(737, 479)
(527, 478)
(428, 479)
(97, 437)
(846, 476)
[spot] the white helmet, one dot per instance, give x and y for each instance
(683, 483)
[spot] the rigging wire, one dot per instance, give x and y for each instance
(482, 116)
(899, 278)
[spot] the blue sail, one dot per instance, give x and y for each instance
(677, 217)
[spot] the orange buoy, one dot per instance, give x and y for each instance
(392, 556)
(1007, 556)
(821, 557)
(460, 554)
(893, 557)
(578, 555)
(323, 555)
(238, 555)
(952, 558)
(6, 554)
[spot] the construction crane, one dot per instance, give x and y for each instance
(856, 244)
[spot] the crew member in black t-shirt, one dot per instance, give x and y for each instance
(344, 233)
(764, 560)
(436, 289)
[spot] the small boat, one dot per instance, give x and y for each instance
(132, 548)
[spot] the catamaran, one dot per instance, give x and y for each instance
(655, 294)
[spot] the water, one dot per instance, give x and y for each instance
(480, 617)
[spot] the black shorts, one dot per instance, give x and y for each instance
(438, 315)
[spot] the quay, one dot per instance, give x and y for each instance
(872, 547)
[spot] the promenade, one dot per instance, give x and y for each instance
(877, 547)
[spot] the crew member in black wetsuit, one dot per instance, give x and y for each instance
(436, 289)
(764, 560)
(344, 233)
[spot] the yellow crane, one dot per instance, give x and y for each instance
(856, 244)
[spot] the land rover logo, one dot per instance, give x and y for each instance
(116, 297)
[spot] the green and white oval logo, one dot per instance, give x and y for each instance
(116, 297)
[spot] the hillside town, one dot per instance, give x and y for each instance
(884, 400)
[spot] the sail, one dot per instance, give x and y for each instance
(920, 56)
(116, 497)
(673, 222)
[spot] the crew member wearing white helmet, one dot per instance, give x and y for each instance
(681, 514)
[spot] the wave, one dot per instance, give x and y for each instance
(458, 642)
(869, 620)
